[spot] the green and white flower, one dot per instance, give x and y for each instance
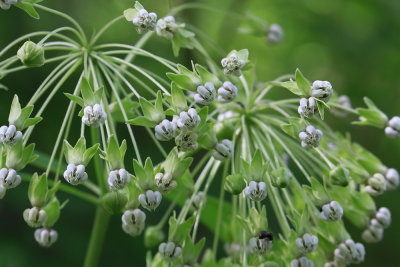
(331, 212)
(167, 27)
(393, 127)
(35, 217)
(9, 135)
(256, 191)
(169, 251)
(205, 94)
(322, 90)
(227, 92)
(150, 200)
(46, 237)
(133, 222)
(311, 137)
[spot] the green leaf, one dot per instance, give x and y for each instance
(290, 85)
(207, 76)
(75, 99)
(372, 116)
(191, 251)
(303, 84)
(53, 212)
(89, 153)
(150, 111)
(142, 121)
(178, 232)
(178, 98)
(28, 8)
(37, 191)
(115, 154)
(321, 110)
(15, 110)
(87, 93)
(144, 175)
(182, 81)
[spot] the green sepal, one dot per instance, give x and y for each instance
(115, 154)
(185, 183)
(207, 76)
(178, 232)
(133, 193)
(31, 54)
(27, 6)
(321, 105)
(339, 175)
(114, 202)
(280, 177)
(317, 192)
(90, 97)
(191, 251)
(178, 99)
(53, 212)
(234, 183)
(18, 156)
(130, 14)
(78, 100)
(19, 117)
(38, 190)
(79, 154)
(176, 166)
(129, 107)
(255, 222)
(144, 175)
(302, 84)
(371, 116)
(185, 79)
(153, 114)
(256, 169)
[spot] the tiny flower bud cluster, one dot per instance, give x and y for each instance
(9, 178)
(75, 174)
(307, 107)
(165, 182)
(227, 92)
(186, 123)
(349, 252)
(331, 212)
(169, 251)
(310, 137)
(118, 179)
(35, 217)
(233, 65)
(197, 200)
(94, 116)
(46, 237)
(307, 243)
(166, 130)
(381, 221)
(322, 90)
(376, 185)
(205, 94)
(150, 200)
(262, 243)
(256, 191)
(166, 27)
(393, 128)
(133, 222)
(9, 135)
(223, 150)
(274, 34)
(145, 21)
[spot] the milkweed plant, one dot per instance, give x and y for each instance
(221, 124)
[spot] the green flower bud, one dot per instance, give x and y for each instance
(339, 176)
(114, 202)
(38, 190)
(279, 177)
(234, 184)
(153, 236)
(31, 54)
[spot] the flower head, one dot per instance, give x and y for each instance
(145, 21)
(169, 251)
(166, 27)
(223, 150)
(133, 222)
(372, 234)
(262, 243)
(118, 179)
(9, 135)
(150, 200)
(376, 185)
(233, 64)
(9, 178)
(205, 94)
(46, 237)
(382, 218)
(350, 252)
(227, 92)
(393, 128)
(307, 243)
(302, 262)
(165, 131)
(35, 217)
(392, 179)
(310, 137)
(188, 120)
(75, 174)
(94, 115)
(274, 34)
(307, 107)
(6, 4)
(186, 141)
(256, 191)
(165, 183)
(322, 90)
(331, 212)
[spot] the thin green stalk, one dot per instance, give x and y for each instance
(97, 162)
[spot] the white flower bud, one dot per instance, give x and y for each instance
(145, 21)
(233, 64)
(256, 191)
(118, 179)
(262, 243)
(197, 200)
(372, 234)
(393, 128)
(9, 178)
(9, 135)
(227, 92)
(169, 251)
(35, 217)
(307, 243)
(133, 222)
(6, 4)
(46, 237)
(165, 131)
(382, 219)
(310, 137)
(331, 212)
(187, 141)
(302, 262)
(94, 116)
(376, 185)
(166, 27)
(150, 200)
(307, 107)
(3, 191)
(322, 90)
(274, 34)
(165, 183)
(205, 94)
(392, 179)
(188, 120)
(75, 174)
(350, 252)
(223, 150)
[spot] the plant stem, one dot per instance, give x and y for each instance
(97, 237)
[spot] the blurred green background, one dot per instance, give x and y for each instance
(353, 44)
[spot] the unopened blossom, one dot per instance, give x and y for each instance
(186, 141)
(145, 21)
(188, 120)
(392, 179)
(165, 183)
(133, 222)
(311, 137)
(307, 107)
(393, 128)
(274, 34)
(322, 90)
(331, 212)
(45, 237)
(169, 251)
(307, 243)
(233, 64)
(75, 174)
(118, 179)
(223, 150)
(302, 262)
(166, 27)
(350, 252)
(382, 218)
(165, 131)
(256, 191)
(9, 135)
(6, 4)
(94, 116)
(35, 217)
(372, 234)
(205, 94)
(262, 243)
(150, 200)
(227, 92)
(376, 185)
(9, 178)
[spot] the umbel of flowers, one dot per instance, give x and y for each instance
(213, 126)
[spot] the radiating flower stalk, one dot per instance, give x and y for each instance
(223, 126)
